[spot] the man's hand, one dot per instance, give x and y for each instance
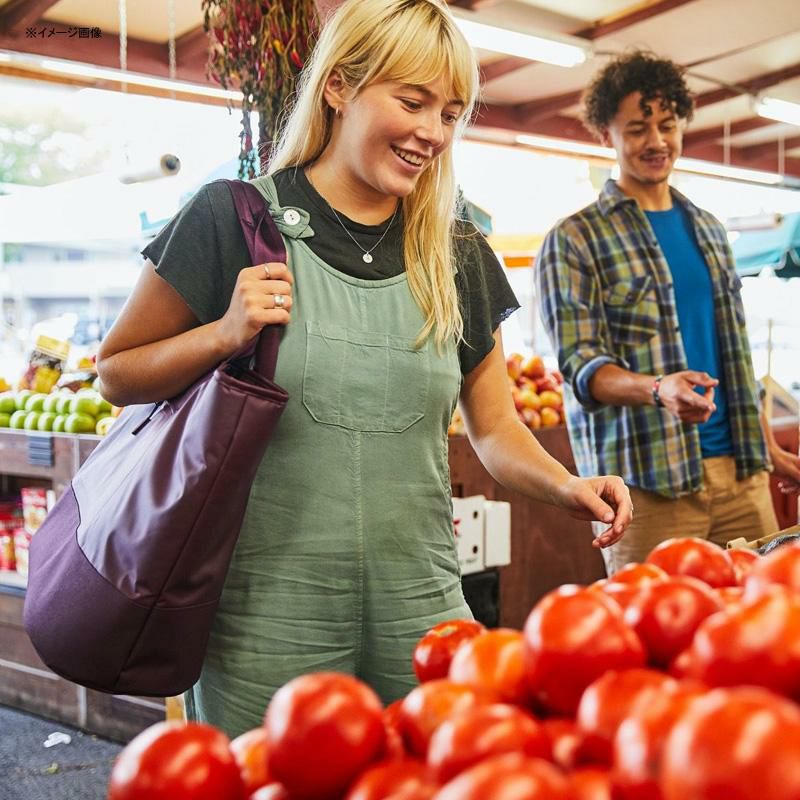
(682, 401)
(605, 498)
(786, 469)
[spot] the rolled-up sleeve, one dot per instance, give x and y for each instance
(570, 306)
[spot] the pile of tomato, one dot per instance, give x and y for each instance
(676, 679)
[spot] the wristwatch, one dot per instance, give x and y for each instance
(654, 391)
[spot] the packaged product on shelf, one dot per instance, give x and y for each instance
(10, 522)
(22, 543)
(34, 507)
(45, 365)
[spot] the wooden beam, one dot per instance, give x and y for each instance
(509, 118)
(191, 46)
(150, 58)
(602, 27)
(769, 149)
(751, 85)
(629, 16)
(21, 14)
(547, 106)
(714, 132)
(496, 69)
(716, 153)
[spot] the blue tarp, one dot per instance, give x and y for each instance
(778, 248)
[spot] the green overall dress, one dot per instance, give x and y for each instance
(346, 555)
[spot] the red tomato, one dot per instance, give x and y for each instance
(736, 744)
(331, 721)
(394, 738)
(566, 743)
(493, 661)
(623, 594)
(730, 595)
(697, 558)
(743, 561)
(590, 783)
(639, 741)
(756, 643)
(273, 791)
(509, 777)
(483, 732)
(572, 636)
(639, 574)
(606, 703)
(425, 708)
(433, 653)
(250, 752)
(177, 761)
(405, 779)
(781, 566)
(666, 615)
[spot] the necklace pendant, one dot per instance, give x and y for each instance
(367, 258)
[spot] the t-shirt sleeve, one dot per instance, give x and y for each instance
(200, 252)
(486, 295)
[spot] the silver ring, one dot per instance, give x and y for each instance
(266, 269)
(279, 300)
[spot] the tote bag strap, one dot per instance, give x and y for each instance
(264, 243)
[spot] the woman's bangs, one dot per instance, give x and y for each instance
(419, 55)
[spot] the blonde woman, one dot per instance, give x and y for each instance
(392, 309)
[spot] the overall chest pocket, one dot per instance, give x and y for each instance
(364, 381)
(631, 308)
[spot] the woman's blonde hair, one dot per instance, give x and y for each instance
(409, 41)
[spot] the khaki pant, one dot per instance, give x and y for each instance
(725, 509)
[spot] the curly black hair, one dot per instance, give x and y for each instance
(638, 71)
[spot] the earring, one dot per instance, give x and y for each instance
(338, 112)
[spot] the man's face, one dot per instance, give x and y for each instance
(647, 145)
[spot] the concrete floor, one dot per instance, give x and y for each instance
(78, 770)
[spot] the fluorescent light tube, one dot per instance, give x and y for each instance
(780, 110)
(79, 69)
(711, 168)
(551, 50)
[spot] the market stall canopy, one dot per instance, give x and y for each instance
(732, 49)
(778, 248)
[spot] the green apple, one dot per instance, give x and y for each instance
(46, 420)
(79, 423)
(8, 404)
(63, 403)
(35, 402)
(51, 402)
(5, 420)
(18, 419)
(84, 404)
(58, 423)
(103, 404)
(21, 397)
(31, 420)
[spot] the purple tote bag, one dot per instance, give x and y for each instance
(127, 570)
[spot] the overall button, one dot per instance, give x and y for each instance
(291, 217)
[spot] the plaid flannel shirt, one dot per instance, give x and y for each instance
(605, 295)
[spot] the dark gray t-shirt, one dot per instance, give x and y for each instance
(201, 251)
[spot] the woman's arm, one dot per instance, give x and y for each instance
(515, 459)
(157, 347)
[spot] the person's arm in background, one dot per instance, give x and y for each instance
(571, 310)
(785, 465)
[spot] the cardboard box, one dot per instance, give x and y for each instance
(468, 523)
(497, 533)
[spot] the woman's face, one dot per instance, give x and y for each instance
(391, 132)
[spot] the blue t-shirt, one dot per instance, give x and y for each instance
(695, 301)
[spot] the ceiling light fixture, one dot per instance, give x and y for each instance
(562, 51)
(779, 110)
(81, 70)
(693, 165)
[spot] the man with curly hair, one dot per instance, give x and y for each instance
(640, 296)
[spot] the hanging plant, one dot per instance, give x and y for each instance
(258, 47)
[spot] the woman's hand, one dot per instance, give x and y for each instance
(605, 498)
(262, 296)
